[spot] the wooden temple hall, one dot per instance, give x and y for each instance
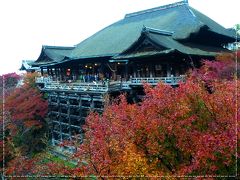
(158, 44)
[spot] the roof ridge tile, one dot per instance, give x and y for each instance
(168, 6)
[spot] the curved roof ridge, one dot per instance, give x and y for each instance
(158, 31)
(168, 6)
(57, 47)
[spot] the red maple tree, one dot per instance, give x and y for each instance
(25, 127)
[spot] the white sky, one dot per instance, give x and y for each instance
(26, 25)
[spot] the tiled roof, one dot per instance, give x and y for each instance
(179, 18)
(53, 54)
(175, 23)
(163, 43)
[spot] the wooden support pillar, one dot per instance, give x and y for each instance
(54, 73)
(51, 72)
(80, 106)
(69, 119)
(92, 105)
(77, 73)
(41, 71)
(48, 72)
(134, 71)
(115, 71)
(57, 74)
(61, 74)
(151, 69)
(51, 119)
(73, 74)
(126, 71)
(168, 70)
(59, 117)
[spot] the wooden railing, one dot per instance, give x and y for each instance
(43, 80)
(109, 85)
(172, 80)
(99, 87)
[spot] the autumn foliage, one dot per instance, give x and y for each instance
(183, 131)
(25, 127)
(8, 83)
(26, 106)
(226, 67)
(27, 109)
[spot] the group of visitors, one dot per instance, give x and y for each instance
(89, 78)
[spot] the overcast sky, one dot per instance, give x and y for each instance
(26, 25)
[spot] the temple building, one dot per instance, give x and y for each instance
(155, 45)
